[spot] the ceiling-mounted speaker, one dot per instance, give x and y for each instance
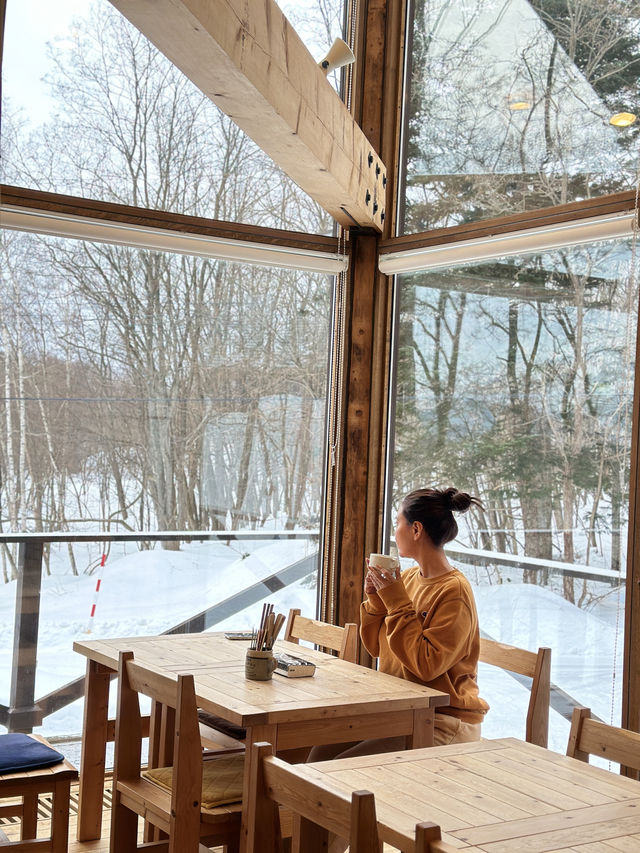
(339, 54)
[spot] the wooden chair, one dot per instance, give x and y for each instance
(27, 785)
(319, 809)
(535, 665)
(591, 737)
(341, 640)
(344, 641)
(177, 810)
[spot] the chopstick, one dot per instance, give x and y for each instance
(271, 621)
(268, 630)
(278, 625)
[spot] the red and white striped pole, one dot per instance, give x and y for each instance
(95, 594)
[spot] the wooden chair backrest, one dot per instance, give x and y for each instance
(591, 737)
(535, 665)
(341, 640)
(319, 808)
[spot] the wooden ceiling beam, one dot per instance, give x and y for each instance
(247, 58)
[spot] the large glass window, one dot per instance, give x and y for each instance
(92, 109)
(516, 105)
(514, 381)
(145, 391)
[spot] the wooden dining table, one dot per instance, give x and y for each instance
(494, 796)
(341, 702)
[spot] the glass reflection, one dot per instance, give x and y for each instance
(515, 382)
(510, 106)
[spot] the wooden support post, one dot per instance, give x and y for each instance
(380, 118)
(355, 470)
(94, 738)
(630, 680)
(23, 714)
(3, 15)
(378, 86)
(377, 90)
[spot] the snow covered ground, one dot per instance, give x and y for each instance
(146, 592)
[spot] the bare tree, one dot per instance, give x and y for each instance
(145, 351)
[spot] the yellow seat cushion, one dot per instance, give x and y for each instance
(221, 780)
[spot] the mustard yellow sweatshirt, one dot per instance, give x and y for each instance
(426, 630)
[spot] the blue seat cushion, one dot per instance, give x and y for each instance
(21, 752)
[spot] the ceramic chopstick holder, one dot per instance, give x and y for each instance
(259, 665)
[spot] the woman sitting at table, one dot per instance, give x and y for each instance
(422, 623)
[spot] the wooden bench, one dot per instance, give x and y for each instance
(27, 785)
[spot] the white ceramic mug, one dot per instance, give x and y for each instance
(384, 562)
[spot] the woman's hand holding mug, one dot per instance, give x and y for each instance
(382, 572)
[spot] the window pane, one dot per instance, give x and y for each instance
(510, 105)
(145, 391)
(515, 383)
(93, 109)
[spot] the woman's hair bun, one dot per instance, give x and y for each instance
(457, 501)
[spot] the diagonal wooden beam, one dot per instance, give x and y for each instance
(246, 57)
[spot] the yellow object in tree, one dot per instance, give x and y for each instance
(622, 119)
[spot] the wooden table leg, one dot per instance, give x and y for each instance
(422, 735)
(94, 744)
(248, 841)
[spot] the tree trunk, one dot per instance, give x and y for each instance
(536, 519)
(568, 500)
